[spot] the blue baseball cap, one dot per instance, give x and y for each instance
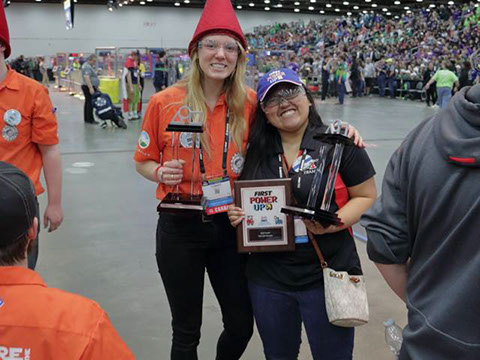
(274, 77)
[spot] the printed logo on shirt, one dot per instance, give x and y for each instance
(14, 353)
(144, 140)
(12, 117)
(237, 163)
(2, 303)
(309, 165)
(9, 133)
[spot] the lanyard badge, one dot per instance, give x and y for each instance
(217, 192)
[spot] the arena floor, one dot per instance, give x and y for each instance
(105, 247)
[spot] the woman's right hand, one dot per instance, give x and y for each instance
(235, 215)
(171, 172)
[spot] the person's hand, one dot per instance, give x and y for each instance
(53, 217)
(92, 91)
(171, 173)
(316, 228)
(426, 87)
(235, 215)
(355, 135)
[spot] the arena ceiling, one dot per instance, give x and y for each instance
(323, 7)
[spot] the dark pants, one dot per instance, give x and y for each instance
(33, 253)
(88, 107)
(279, 316)
(382, 78)
(142, 84)
(186, 247)
(392, 86)
(432, 95)
(341, 91)
(356, 87)
(324, 88)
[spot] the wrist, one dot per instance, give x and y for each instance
(159, 173)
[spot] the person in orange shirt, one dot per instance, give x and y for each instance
(189, 245)
(37, 322)
(29, 137)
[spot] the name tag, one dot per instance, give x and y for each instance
(301, 236)
(217, 195)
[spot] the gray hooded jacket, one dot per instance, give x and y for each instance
(429, 212)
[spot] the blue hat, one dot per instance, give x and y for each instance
(274, 77)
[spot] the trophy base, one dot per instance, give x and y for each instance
(334, 139)
(193, 128)
(180, 203)
(326, 218)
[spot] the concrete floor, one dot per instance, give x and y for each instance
(105, 248)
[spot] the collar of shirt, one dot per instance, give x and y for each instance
(18, 275)
(308, 142)
(11, 81)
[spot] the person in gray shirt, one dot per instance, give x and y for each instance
(89, 87)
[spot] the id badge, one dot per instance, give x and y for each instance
(217, 195)
(301, 236)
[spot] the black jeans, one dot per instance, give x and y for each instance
(186, 247)
(432, 95)
(88, 107)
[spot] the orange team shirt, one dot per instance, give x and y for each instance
(156, 144)
(38, 124)
(37, 322)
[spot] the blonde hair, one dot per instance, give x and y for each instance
(235, 97)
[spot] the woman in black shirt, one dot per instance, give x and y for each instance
(286, 289)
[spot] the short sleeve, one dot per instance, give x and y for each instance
(148, 146)
(44, 121)
(356, 166)
(386, 221)
(106, 343)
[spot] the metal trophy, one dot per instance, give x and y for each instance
(335, 135)
(185, 120)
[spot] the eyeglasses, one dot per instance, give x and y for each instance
(213, 46)
(284, 94)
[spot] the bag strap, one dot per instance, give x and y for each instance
(323, 263)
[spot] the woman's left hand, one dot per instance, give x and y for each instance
(316, 228)
(355, 135)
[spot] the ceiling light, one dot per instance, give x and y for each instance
(296, 10)
(251, 4)
(346, 3)
(337, 9)
(368, 0)
(374, 5)
(239, 7)
(409, 11)
(120, 5)
(329, 5)
(142, 2)
(406, 8)
(38, 0)
(322, 11)
(419, 0)
(349, 13)
(365, 11)
(267, 1)
(177, 4)
(311, 8)
(313, 1)
(356, 7)
(296, 3)
(432, 5)
(451, 3)
(385, 9)
(397, 2)
(279, 5)
(149, 0)
(187, 1)
(267, 9)
(389, 13)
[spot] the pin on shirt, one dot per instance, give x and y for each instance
(12, 117)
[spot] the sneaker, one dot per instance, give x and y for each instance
(103, 125)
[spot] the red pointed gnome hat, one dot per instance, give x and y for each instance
(218, 17)
(4, 37)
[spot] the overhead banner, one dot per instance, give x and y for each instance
(68, 8)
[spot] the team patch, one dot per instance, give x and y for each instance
(308, 164)
(237, 163)
(144, 140)
(12, 117)
(9, 133)
(186, 140)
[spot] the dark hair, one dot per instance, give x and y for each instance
(467, 65)
(13, 253)
(263, 136)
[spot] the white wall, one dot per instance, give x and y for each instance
(39, 29)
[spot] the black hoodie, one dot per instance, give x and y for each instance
(429, 212)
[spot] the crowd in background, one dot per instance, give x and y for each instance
(397, 55)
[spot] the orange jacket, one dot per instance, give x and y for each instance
(37, 322)
(33, 120)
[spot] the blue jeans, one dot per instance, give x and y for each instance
(279, 316)
(341, 91)
(391, 86)
(444, 94)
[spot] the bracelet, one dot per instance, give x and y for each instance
(161, 173)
